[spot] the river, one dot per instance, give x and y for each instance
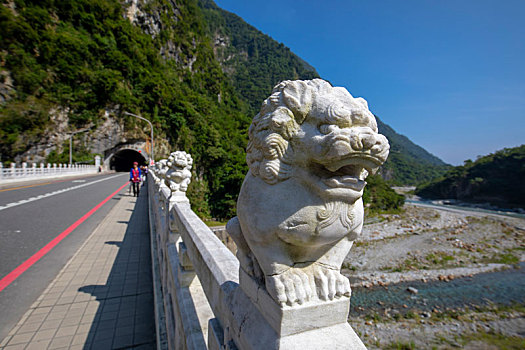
(505, 287)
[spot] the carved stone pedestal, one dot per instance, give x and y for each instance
(288, 320)
(258, 322)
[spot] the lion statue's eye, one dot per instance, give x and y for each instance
(327, 128)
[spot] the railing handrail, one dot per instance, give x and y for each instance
(35, 170)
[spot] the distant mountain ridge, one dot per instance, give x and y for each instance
(408, 163)
(497, 178)
(401, 143)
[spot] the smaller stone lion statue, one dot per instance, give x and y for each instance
(299, 211)
(178, 174)
(161, 170)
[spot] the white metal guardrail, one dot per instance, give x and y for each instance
(34, 171)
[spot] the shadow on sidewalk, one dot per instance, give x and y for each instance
(125, 317)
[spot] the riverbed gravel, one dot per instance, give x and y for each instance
(427, 244)
(426, 333)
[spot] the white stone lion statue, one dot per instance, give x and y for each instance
(161, 169)
(299, 209)
(178, 173)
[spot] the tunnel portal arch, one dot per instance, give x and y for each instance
(121, 157)
(123, 160)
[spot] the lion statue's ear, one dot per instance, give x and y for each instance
(267, 156)
(362, 101)
(297, 95)
(268, 153)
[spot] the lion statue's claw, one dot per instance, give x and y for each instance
(291, 287)
(330, 283)
(300, 285)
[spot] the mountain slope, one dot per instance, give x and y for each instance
(85, 57)
(496, 178)
(256, 62)
(408, 163)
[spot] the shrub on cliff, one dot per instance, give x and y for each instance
(379, 197)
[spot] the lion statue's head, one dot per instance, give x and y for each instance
(178, 175)
(160, 169)
(319, 133)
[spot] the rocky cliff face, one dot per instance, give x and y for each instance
(6, 87)
(108, 130)
(254, 61)
(160, 20)
(97, 138)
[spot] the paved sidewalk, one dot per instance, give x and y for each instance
(103, 297)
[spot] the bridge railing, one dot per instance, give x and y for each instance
(186, 247)
(204, 301)
(34, 170)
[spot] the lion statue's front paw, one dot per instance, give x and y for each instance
(330, 283)
(299, 285)
(290, 287)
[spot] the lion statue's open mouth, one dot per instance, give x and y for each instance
(310, 150)
(349, 173)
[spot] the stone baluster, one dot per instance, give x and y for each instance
(24, 169)
(13, 169)
(97, 162)
(175, 173)
(177, 177)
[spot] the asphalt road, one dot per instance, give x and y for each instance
(33, 215)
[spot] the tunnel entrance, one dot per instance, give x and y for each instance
(123, 160)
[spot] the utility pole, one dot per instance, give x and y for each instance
(151, 126)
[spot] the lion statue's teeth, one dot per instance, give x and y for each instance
(349, 179)
(345, 182)
(310, 149)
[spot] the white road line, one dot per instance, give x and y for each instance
(32, 199)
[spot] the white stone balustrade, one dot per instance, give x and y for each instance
(32, 172)
(199, 294)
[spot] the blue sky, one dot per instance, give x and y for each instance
(448, 74)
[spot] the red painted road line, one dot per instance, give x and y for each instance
(13, 275)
